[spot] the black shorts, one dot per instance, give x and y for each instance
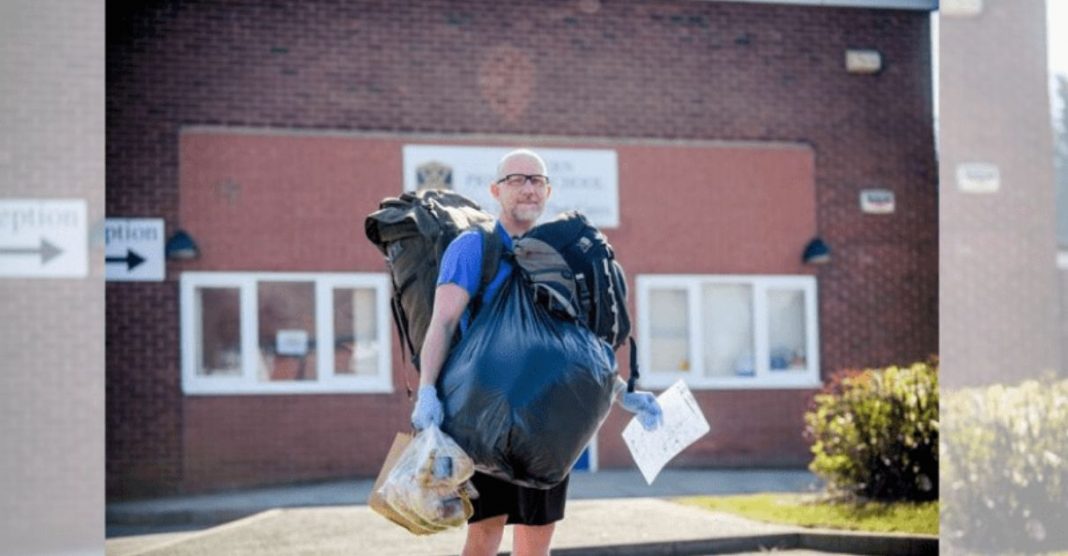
(524, 506)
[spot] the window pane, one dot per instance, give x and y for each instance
(727, 313)
(355, 332)
(219, 340)
(669, 330)
(286, 330)
(786, 319)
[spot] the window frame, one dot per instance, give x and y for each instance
(327, 382)
(763, 377)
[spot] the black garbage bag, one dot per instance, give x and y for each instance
(524, 392)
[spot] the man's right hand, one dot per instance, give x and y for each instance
(428, 410)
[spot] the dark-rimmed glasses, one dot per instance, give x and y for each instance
(519, 180)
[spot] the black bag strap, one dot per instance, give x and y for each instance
(401, 321)
(634, 374)
(492, 251)
(399, 318)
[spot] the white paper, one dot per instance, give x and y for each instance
(683, 425)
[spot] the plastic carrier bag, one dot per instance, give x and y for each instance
(429, 487)
(524, 392)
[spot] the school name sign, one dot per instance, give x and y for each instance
(582, 179)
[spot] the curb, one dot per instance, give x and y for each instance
(207, 518)
(720, 545)
(853, 543)
(870, 543)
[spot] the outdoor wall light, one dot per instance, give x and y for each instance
(181, 247)
(816, 252)
(863, 61)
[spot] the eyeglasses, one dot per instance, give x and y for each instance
(519, 180)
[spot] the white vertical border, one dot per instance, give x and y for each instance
(696, 325)
(593, 453)
(250, 331)
(324, 324)
(812, 329)
(385, 338)
(761, 368)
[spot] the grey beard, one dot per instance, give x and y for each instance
(526, 215)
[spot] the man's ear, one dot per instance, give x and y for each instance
(548, 190)
(495, 190)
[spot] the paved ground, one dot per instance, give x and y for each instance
(611, 512)
(358, 530)
(184, 512)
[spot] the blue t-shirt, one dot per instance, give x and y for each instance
(461, 264)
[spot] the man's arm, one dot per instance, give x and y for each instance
(449, 303)
(457, 280)
(450, 300)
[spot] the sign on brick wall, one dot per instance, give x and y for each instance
(583, 179)
(43, 238)
(134, 249)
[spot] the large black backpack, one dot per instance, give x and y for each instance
(575, 275)
(592, 280)
(412, 231)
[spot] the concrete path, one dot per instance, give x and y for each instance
(358, 530)
(212, 509)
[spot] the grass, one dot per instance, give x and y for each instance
(813, 510)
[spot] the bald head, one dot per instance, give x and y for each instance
(503, 167)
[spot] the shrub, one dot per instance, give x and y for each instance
(1005, 460)
(875, 433)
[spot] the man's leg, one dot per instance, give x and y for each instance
(533, 540)
(484, 536)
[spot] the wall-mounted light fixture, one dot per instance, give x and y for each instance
(863, 61)
(181, 247)
(816, 252)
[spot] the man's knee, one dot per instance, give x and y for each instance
(484, 536)
(533, 539)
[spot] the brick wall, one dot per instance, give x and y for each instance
(664, 70)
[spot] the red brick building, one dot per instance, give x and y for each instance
(731, 134)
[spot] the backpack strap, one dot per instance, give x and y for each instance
(634, 374)
(401, 322)
(492, 251)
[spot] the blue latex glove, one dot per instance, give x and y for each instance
(428, 410)
(642, 404)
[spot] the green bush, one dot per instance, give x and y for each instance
(1005, 460)
(875, 433)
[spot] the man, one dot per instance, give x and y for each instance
(521, 188)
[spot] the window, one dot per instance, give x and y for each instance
(728, 331)
(285, 333)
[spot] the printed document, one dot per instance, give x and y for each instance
(683, 425)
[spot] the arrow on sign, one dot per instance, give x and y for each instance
(47, 250)
(131, 259)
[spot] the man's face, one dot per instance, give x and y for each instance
(526, 202)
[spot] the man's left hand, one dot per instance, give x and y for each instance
(645, 406)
